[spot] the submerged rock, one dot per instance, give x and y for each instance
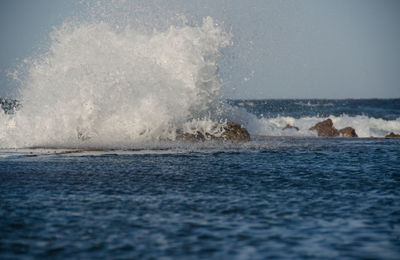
(290, 127)
(231, 132)
(326, 128)
(348, 132)
(392, 135)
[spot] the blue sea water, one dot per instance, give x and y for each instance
(388, 109)
(293, 197)
(91, 166)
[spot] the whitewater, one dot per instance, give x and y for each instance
(100, 85)
(109, 86)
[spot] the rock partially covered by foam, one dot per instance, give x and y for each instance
(348, 132)
(236, 133)
(392, 135)
(290, 127)
(190, 137)
(231, 132)
(326, 128)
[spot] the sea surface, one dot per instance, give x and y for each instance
(281, 195)
(91, 166)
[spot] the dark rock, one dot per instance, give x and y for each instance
(232, 132)
(196, 137)
(326, 128)
(392, 135)
(236, 133)
(290, 127)
(348, 132)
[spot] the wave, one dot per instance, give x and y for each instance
(314, 104)
(101, 86)
(114, 86)
(365, 126)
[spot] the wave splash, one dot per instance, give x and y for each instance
(109, 85)
(364, 126)
(104, 86)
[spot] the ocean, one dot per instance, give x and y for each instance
(273, 197)
(92, 166)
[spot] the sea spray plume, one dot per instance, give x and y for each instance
(98, 86)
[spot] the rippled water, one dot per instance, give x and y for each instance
(387, 109)
(270, 198)
(118, 82)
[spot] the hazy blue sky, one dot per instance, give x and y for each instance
(283, 49)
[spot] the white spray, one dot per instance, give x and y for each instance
(101, 86)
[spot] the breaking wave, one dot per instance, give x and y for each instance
(115, 85)
(365, 126)
(104, 86)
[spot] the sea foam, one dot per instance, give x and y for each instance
(364, 126)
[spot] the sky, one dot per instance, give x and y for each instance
(282, 48)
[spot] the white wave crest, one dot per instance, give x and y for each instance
(365, 126)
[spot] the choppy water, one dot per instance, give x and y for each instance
(387, 109)
(270, 198)
(90, 165)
